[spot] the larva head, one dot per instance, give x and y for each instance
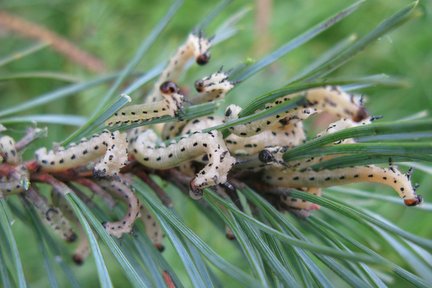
(414, 201)
(169, 87)
(203, 58)
(160, 247)
(199, 86)
(194, 192)
(273, 154)
(266, 156)
(361, 115)
(216, 81)
(77, 259)
(201, 46)
(72, 237)
(333, 100)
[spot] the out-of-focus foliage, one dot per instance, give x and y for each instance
(111, 30)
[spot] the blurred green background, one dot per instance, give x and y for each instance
(112, 30)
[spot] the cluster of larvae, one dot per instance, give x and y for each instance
(251, 153)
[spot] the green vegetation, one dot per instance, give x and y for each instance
(360, 237)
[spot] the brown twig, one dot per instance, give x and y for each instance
(262, 23)
(166, 200)
(60, 44)
(31, 135)
(96, 189)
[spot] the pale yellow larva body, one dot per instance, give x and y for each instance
(196, 47)
(8, 151)
(123, 190)
(300, 204)
(327, 99)
(327, 178)
(170, 105)
(212, 87)
(16, 182)
(52, 216)
(110, 146)
(152, 228)
(189, 147)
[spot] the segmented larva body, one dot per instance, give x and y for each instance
(122, 189)
(289, 135)
(326, 178)
(152, 229)
(295, 203)
(170, 105)
(212, 87)
(82, 251)
(97, 190)
(199, 124)
(50, 215)
(112, 146)
(16, 182)
(8, 151)
(341, 125)
(172, 129)
(191, 146)
(332, 128)
(196, 47)
(328, 99)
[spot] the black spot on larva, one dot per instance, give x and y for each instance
(228, 112)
